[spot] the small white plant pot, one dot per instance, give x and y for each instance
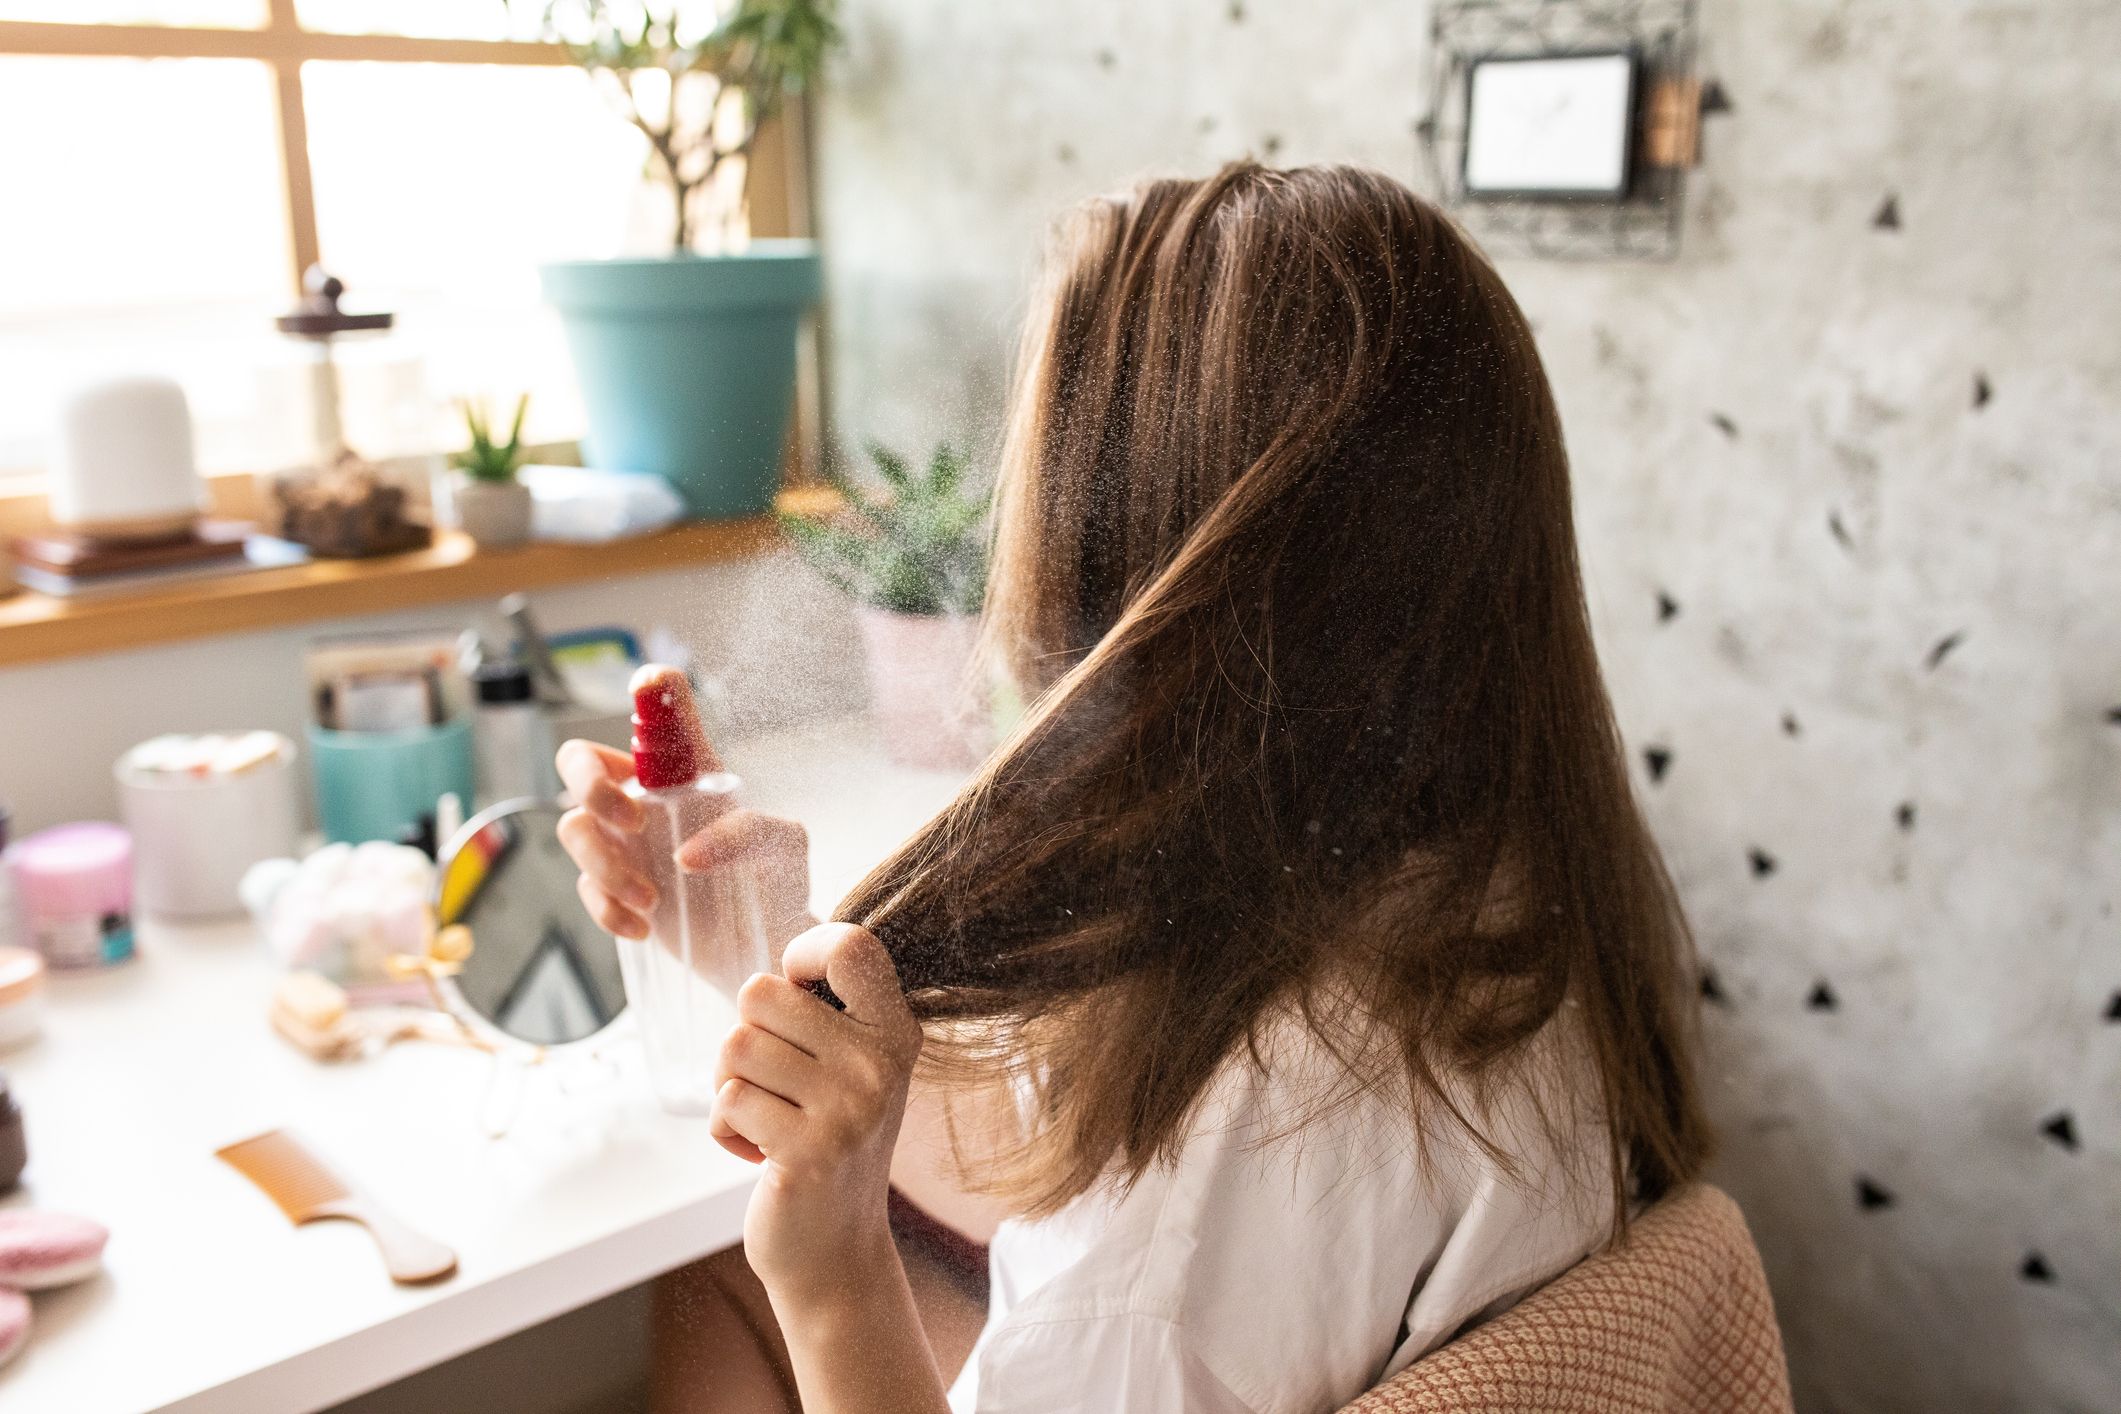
(494, 513)
(922, 696)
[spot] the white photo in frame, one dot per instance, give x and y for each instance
(1559, 125)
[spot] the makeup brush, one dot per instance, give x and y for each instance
(307, 1191)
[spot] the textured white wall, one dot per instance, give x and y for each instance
(1971, 953)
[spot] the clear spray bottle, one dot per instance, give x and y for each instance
(707, 932)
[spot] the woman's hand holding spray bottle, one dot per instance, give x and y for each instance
(707, 897)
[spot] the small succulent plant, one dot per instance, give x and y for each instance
(917, 547)
(486, 459)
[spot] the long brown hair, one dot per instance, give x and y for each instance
(1284, 551)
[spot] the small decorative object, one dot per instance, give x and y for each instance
(1671, 128)
(1550, 126)
(342, 506)
(687, 363)
(122, 467)
(125, 497)
(915, 560)
(491, 505)
(346, 511)
(320, 322)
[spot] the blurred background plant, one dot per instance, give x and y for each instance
(487, 459)
(917, 547)
(697, 80)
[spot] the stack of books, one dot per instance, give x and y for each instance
(66, 564)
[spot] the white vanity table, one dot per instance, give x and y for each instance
(211, 1301)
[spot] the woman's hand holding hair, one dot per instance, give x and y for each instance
(815, 1096)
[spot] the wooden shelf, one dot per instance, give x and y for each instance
(36, 627)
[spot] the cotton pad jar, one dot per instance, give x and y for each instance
(203, 808)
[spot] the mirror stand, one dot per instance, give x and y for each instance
(518, 964)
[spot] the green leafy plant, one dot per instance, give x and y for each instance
(486, 459)
(919, 547)
(697, 79)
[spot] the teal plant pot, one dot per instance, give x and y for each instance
(687, 365)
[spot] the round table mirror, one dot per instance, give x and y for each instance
(540, 970)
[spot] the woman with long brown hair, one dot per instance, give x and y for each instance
(1300, 973)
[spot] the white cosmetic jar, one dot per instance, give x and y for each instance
(195, 832)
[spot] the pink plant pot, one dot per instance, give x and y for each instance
(926, 706)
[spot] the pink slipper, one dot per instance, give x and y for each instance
(14, 1323)
(40, 1249)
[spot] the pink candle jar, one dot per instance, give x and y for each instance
(74, 887)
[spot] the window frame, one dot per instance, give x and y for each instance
(777, 188)
(285, 46)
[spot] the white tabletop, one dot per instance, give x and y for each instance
(211, 1300)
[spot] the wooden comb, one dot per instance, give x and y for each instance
(307, 1192)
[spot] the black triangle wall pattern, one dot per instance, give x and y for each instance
(2062, 1128)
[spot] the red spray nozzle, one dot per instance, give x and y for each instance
(669, 746)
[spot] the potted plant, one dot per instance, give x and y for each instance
(687, 361)
(915, 561)
(490, 504)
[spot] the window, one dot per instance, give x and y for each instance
(168, 168)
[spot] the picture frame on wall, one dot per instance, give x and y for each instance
(1551, 127)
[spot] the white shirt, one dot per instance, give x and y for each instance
(1283, 1277)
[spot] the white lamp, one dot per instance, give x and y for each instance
(122, 466)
